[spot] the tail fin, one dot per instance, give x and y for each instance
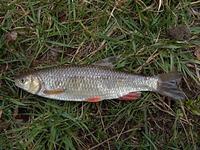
(167, 85)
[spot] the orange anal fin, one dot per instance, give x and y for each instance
(54, 91)
(131, 96)
(94, 99)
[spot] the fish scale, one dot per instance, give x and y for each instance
(81, 83)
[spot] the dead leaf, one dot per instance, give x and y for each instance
(15, 113)
(49, 57)
(4, 125)
(52, 53)
(11, 36)
(119, 3)
(1, 112)
(85, 49)
(4, 68)
(19, 115)
(1, 19)
(62, 17)
(197, 53)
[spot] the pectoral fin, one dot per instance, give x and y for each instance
(54, 91)
(94, 99)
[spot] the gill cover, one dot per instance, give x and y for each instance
(28, 83)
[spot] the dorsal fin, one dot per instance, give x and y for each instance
(108, 62)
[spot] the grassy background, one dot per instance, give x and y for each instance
(36, 34)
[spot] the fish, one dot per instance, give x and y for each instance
(94, 83)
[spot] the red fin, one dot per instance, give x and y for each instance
(54, 91)
(131, 96)
(94, 99)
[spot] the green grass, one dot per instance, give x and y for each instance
(51, 33)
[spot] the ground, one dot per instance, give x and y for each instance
(151, 37)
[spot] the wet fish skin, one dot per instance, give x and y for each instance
(78, 83)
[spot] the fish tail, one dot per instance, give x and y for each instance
(168, 85)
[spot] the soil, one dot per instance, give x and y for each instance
(179, 33)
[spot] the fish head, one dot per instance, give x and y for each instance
(29, 83)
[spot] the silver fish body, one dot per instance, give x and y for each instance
(79, 83)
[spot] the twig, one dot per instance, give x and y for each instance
(130, 130)
(152, 57)
(103, 43)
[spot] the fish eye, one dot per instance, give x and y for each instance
(23, 81)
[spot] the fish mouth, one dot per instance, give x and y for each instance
(17, 83)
